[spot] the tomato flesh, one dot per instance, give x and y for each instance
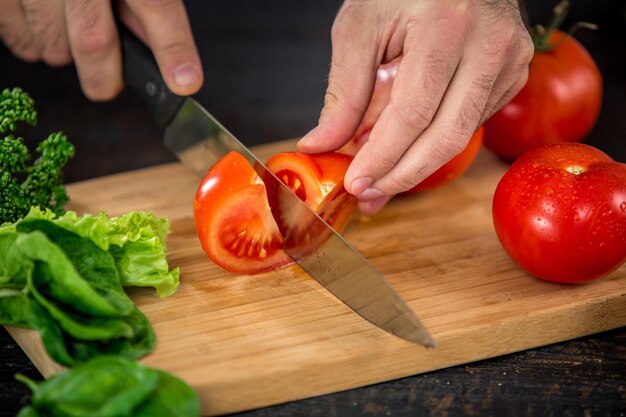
(234, 221)
(241, 221)
(318, 181)
(560, 213)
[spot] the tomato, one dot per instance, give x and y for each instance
(240, 219)
(234, 221)
(559, 103)
(560, 213)
(385, 76)
(453, 168)
(318, 181)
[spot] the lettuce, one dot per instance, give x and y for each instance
(136, 241)
(64, 277)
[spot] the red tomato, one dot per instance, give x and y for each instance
(453, 168)
(559, 103)
(234, 221)
(560, 213)
(235, 212)
(318, 181)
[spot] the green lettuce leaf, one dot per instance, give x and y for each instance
(136, 240)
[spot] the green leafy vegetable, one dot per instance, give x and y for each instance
(111, 387)
(68, 288)
(23, 185)
(63, 276)
(136, 241)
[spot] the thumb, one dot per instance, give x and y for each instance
(354, 62)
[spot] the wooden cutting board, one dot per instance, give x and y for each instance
(249, 341)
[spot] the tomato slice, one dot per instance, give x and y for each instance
(241, 221)
(234, 221)
(318, 181)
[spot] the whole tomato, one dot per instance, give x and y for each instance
(454, 168)
(560, 213)
(559, 103)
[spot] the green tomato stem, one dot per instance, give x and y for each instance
(541, 35)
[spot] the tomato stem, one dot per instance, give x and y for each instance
(541, 34)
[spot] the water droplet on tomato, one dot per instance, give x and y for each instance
(623, 206)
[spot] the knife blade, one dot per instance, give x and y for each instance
(199, 141)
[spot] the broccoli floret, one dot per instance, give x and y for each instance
(15, 106)
(23, 185)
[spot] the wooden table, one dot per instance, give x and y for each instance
(583, 377)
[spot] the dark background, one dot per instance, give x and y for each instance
(266, 64)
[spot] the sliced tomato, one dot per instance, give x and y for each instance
(242, 223)
(234, 221)
(318, 181)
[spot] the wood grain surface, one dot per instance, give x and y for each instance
(250, 341)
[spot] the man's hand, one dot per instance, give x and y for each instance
(461, 61)
(84, 31)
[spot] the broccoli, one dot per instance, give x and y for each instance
(23, 183)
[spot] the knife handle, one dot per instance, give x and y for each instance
(142, 73)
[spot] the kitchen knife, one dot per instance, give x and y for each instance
(199, 141)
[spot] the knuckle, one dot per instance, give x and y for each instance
(415, 116)
(382, 163)
(176, 48)
(475, 100)
(21, 44)
(94, 40)
(97, 88)
(399, 183)
(450, 143)
(526, 49)
(348, 13)
(439, 69)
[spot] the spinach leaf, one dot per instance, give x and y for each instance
(63, 281)
(140, 344)
(103, 387)
(13, 266)
(69, 335)
(111, 387)
(93, 264)
(17, 309)
(172, 398)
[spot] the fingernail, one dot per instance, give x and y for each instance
(185, 75)
(374, 206)
(370, 194)
(360, 184)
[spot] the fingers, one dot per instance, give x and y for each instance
(167, 30)
(95, 47)
(512, 79)
(423, 76)
(355, 59)
(15, 33)
(436, 105)
(46, 22)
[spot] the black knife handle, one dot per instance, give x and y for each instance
(142, 73)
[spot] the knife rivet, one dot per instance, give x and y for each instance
(150, 88)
